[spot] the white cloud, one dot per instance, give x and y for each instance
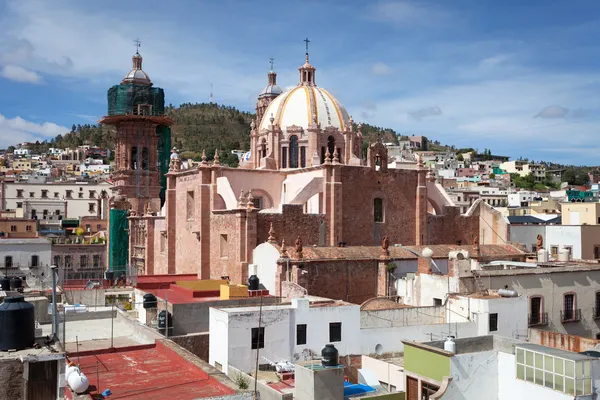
(19, 74)
(380, 68)
(405, 12)
(17, 130)
(425, 112)
(552, 112)
(494, 61)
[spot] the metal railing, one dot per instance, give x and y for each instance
(539, 319)
(570, 315)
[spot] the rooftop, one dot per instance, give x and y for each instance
(162, 371)
(315, 302)
(569, 355)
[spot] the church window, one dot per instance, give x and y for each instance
(133, 158)
(339, 152)
(284, 157)
(263, 148)
(190, 205)
(294, 151)
(303, 157)
(223, 247)
(331, 145)
(145, 158)
(378, 209)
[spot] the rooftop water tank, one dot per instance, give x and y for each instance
(16, 283)
(253, 283)
(78, 382)
(563, 255)
(149, 301)
(5, 284)
(163, 316)
(450, 344)
(329, 356)
(508, 293)
(17, 324)
(542, 256)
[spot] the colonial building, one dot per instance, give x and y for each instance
(303, 182)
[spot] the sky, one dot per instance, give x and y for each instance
(521, 78)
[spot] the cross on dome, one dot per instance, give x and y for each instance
(138, 44)
(307, 71)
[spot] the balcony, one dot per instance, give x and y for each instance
(570, 315)
(540, 319)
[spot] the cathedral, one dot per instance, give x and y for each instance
(304, 182)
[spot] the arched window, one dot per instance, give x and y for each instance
(294, 151)
(378, 209)
(133, 158)
(331, 145)
(263, 148)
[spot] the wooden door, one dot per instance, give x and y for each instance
(43, 380)
(412, 388)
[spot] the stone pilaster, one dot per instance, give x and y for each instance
(421, 206)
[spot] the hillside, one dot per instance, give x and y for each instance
(203, 126)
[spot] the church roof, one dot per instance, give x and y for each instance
(137, 74)
(294, 108)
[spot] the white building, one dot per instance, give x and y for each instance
(521, 199)
(21, 152)
(25, 253)
(56, 199)
(94, 169)
(292, 332)
(523, 168)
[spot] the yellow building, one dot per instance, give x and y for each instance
(580, 213)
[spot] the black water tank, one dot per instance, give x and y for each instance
(253, 283)
(110, 275)
(4, 284)
(149, 300)
(17, 324)
(16, 283)
(162, 319)
(329, 356)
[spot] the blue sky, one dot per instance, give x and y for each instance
(519, 77)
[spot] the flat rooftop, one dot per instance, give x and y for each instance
(51, 352)
(314, 303)
(569, 355)
(151, 373)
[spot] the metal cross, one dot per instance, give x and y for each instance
(307, 42)
(271, 60)
(138, 44)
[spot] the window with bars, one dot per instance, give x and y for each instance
(335, 331)
(35, 261)
(258, 338)
(557, 373)
(96, 260)
(569, 306)
(83, 261)
(57, 261)
(300, 334)
(378, 209)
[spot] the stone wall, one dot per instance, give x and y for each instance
(360, 187)
(197, 344)
(225, 242)
(349, 280)
(452, 227)
(11, 376)
(291, 223)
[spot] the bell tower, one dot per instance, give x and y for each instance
(268, 94)
(142, 139)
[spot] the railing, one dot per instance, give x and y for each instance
(538, 319)
(596, 313)
(570, 315)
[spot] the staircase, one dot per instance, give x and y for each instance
(479, 283)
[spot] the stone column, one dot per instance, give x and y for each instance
(421, 206)
(171, 223)
(204, 212)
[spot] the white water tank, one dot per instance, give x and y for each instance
(450, 344)
(563, 255)
(508, 293)
(543, 256)
(78, 382)
(70, 369)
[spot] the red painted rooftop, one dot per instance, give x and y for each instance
(180, 295)
(283, 384)
(148, 373)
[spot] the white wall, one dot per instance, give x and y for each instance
(385, 372)
(564, 235)
(231, 333)
(475, 376)
(527, 234)
(265, 256)
(390, 339)
(511, 388)
(218, 349)
(21, 251)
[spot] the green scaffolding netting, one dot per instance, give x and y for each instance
(124, 98)
(164, 155)
(119, 241)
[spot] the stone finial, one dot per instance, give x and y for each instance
(217, 159)
(350, 124)
(336, 157)
(430, 175)
(203, 162)
(385, 246)
(250, 200)
(283, 252)
(148, 210)
(298, 247)
(272, 119)
(419, 161)
(252, 124)
(359, 129)
(175, 161)
(327, 157)
(242, 200)
(271, 238)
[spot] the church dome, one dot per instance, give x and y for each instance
(271, 90)
(137, 75)
(295, 107)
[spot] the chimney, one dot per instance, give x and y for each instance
(424, 262)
